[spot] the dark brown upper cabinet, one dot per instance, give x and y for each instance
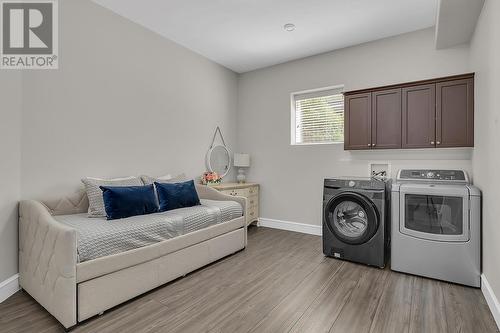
(424, 114)
(455, 113)
(419, 116)
(386, 119)
(357, 122)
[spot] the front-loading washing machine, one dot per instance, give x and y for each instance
(355, 224)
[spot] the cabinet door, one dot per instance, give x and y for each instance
(386, 119)
(357, 123)
(455, 113)
(419, 116)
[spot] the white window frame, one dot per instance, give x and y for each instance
(293, 112)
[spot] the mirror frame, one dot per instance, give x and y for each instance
(209, 154)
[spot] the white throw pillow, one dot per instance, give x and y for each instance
(94, 193)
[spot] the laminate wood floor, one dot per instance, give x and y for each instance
(280, 283)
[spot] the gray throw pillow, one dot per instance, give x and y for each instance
(147, 180)
(94, 193)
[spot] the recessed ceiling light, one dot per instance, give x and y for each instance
(289, 27)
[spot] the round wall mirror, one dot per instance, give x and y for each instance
(219, 160)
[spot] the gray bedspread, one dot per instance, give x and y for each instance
(98, 237)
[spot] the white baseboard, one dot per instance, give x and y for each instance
(290, 226)
(491, 299)
(9, 287)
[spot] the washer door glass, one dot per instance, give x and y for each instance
(350, 219)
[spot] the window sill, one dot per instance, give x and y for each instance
(317, 143)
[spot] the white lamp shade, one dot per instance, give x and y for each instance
(241, 160)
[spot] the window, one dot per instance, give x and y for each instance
(318, 116)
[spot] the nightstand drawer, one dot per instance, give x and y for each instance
(236, 192)
(252, 213)
(228, 192)
(239, 192)
(253, 190)
(253, 200)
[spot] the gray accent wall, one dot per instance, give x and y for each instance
(291, 177)
(124, 101)
(10, 166)
(485, 61)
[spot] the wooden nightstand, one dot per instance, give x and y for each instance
(247, 190)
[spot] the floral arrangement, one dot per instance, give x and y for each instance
(210, 178)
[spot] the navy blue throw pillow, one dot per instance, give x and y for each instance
(125, 201)
(177, 195)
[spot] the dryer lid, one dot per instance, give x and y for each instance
(435, 189)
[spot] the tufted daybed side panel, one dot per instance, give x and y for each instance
(47, 261)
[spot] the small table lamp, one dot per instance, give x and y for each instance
(241, 161)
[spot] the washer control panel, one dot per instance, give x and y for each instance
(355, 182)
(433, 175)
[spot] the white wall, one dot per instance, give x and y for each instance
(124, 101)
(10, 152)
(292, 176)
(485, 61)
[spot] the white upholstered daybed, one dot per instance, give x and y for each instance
(73, 290)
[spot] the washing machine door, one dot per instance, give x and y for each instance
(352, 217)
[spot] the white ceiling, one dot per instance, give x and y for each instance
(244, 35)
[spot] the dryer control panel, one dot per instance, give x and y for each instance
(452, 176)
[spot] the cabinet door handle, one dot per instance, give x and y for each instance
(432, 142)
(438, 142)
(373, 145)
(369, 144)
